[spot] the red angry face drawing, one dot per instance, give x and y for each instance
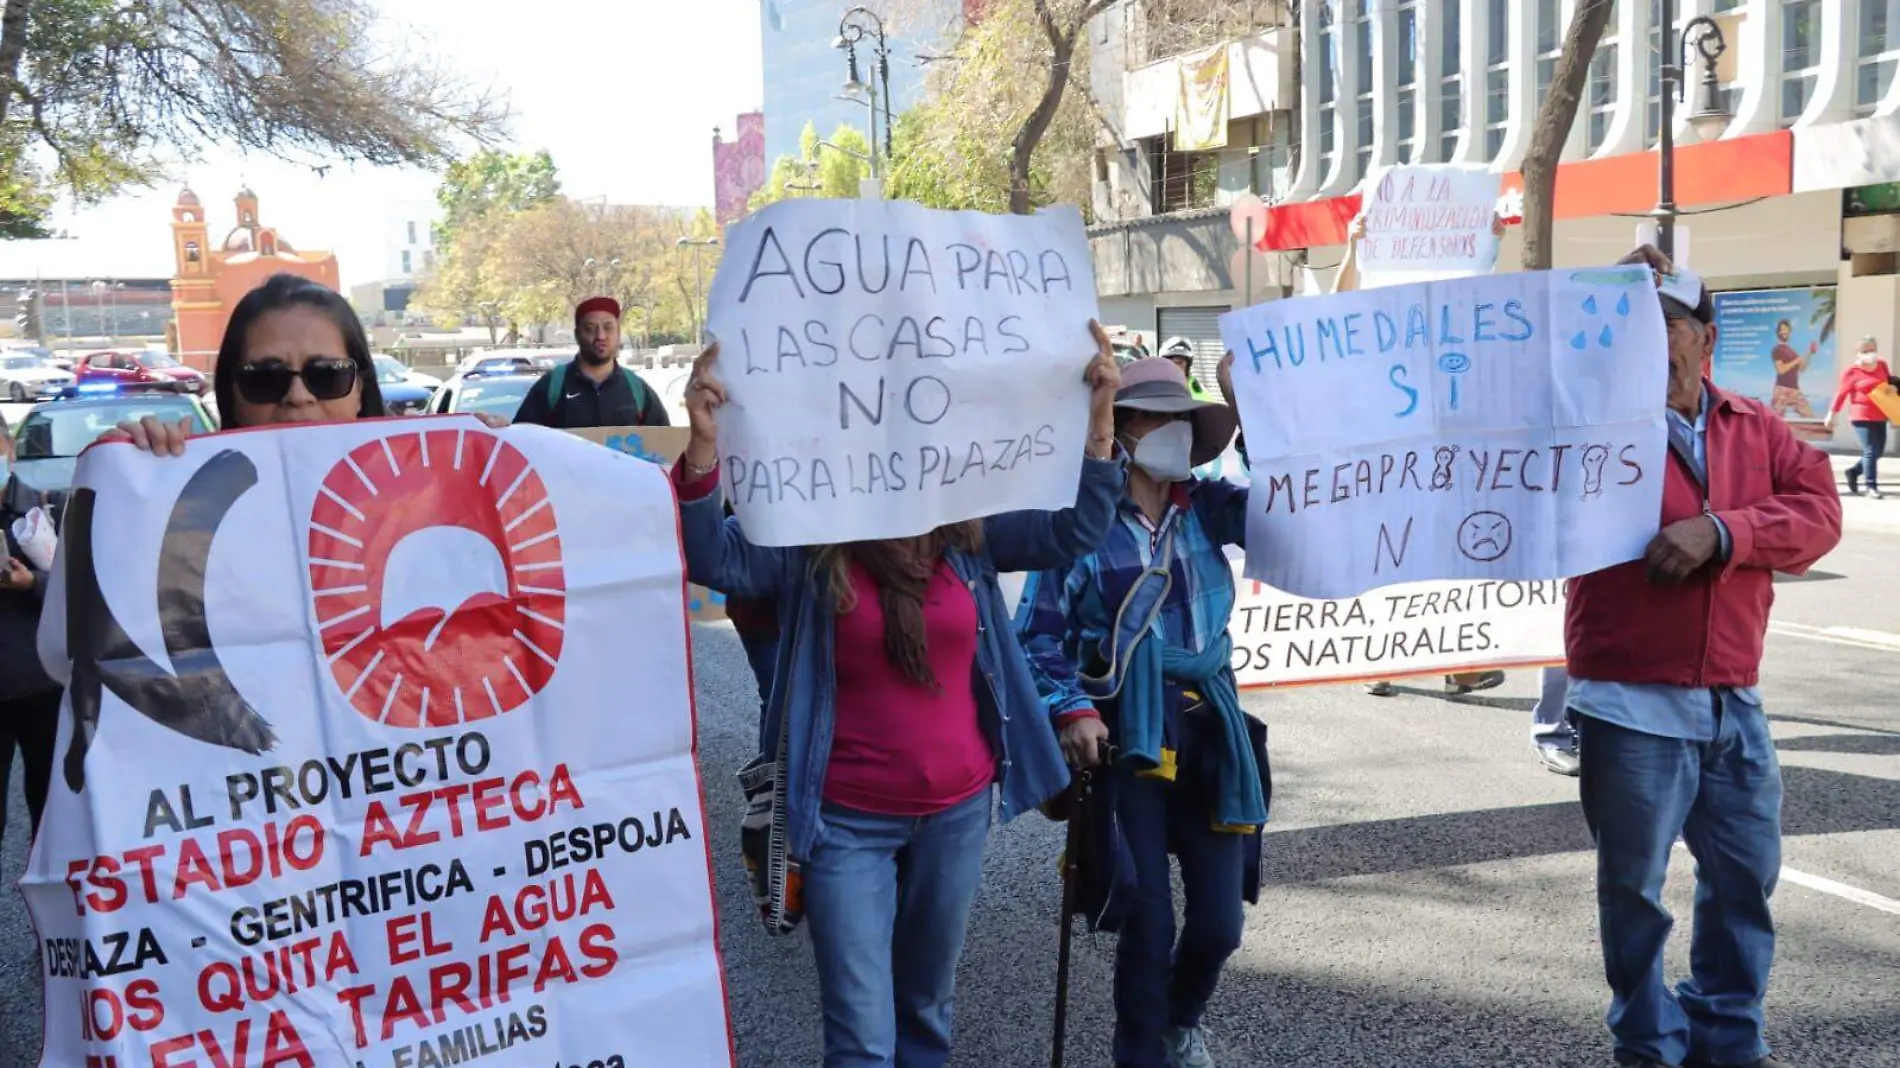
(435, 567)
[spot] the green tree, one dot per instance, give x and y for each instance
(104, 90)
(492, 183)
(832, 168)
(999, 130)
(480, 197)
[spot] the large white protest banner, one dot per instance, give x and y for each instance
(1429, 221)
(891, 368)
(1506, 428)
(348, 777)
(1413, 629)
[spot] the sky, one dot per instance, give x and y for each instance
(624, 95)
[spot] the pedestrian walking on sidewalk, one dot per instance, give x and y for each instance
(903, 710)
(1664, 657)
(1867, 373)
(1130, 646)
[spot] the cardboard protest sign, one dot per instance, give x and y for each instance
(1429, 221)
(347, 771)
(1507, 427)
(659, 445)
(892, 368)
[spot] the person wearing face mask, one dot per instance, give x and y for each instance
(1867, 373)
(1133, 637)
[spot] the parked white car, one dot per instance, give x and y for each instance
(27, 376)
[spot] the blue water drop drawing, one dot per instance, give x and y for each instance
(1579, 341)
(1590, 305)
(1623, 305)
(1606, 337)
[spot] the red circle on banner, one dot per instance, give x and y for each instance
(437, 578)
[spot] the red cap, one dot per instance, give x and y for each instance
(597, 304)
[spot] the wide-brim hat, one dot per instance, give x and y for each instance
(1155, 384)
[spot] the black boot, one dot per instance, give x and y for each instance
(1853, 480)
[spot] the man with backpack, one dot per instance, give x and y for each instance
(593, 390)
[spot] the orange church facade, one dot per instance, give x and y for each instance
(208, 282)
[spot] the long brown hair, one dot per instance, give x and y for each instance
(901, 568)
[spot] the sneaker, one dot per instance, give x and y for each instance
(1381, 689)
(1187, 1048)
(1560, 760)
(1875, 494)
(1473, 681)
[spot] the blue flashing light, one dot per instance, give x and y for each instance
(98, 387)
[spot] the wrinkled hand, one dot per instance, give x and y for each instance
(1653, 258)
(704, 394)
(495, 421)
(17, 577)
(1084, 742)
(1104, 373)
(1680, 548)
(152, 435)
(1224, 378)
(1356, 229)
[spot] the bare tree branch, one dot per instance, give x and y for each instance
(1554, 120)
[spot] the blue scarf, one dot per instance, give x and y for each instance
(1144, 672)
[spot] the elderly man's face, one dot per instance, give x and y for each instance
(1690, 345)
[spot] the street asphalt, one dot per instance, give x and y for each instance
(1430, 888)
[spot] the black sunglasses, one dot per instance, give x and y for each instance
(269, 383)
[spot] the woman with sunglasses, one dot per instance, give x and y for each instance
(1130, 650)
(294, 352)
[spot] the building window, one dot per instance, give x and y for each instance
(412, 232)
(191, 252)
(1451, 97)
(1497, 78)
(1184, 181)
(1550, 45)
(1602, 93)
(1407, 47)
(428, 260)
(405, 261)
(1653, 60)
(1800, 56)
(1362, 96)
(1879, 48)
(1328, 88)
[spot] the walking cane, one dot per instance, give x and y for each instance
(1078, 794)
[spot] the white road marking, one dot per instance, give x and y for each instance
(1842, 890)
(1829, 886)
(1858, 637)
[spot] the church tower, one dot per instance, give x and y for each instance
(195, 304)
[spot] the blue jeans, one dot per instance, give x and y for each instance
(1873, 441)
(761, 652)
(886, 900)
(1550, 719)
(1724, 798)
(1161, 983)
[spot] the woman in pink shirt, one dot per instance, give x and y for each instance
(1867, 373)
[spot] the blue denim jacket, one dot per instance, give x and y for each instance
(1029, 762)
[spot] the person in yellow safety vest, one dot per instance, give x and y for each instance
(1181, 351)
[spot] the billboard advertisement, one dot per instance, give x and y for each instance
(1776, 346)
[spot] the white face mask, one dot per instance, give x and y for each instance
(1870, 358)
(1164, 452)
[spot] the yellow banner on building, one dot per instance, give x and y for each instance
(1200, 112)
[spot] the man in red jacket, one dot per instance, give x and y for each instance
(1664, 654)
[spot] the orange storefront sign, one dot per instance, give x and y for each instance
(1714, 172)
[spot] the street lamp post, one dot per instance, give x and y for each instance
(699, 291)
(857, 24)
(99, 309)
(1710, 117)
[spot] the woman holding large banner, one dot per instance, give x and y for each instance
(902, 699)
(1135, 636)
